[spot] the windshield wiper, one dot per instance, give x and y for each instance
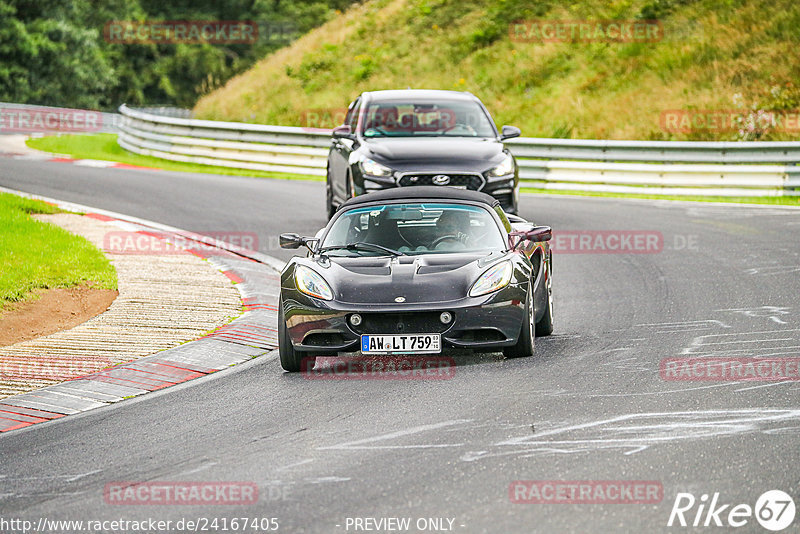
(363, 245)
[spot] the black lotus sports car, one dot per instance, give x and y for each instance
(416, 270)
(414, 137)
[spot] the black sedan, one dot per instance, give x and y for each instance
(414, 271)
(420, 137)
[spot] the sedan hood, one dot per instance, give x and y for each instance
(425, 279)
(436, 153)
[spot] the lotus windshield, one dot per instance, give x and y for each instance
(413, 229)
(427, 119)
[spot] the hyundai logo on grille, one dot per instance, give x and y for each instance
(441, 179)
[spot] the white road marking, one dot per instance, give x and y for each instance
(739, 342)
(779, 383)
(704, 323)
(302, 462)
(773, 269)
(362, 443)
(323, 480)
(771, 312)
(711, 344)
(633, 433)
(661, 392)
(201, 467)
(68, 478)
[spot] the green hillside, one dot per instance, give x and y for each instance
(713, 55)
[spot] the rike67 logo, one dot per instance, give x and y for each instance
(774, 510)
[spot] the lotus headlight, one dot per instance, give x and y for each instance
(373, 168)
(311, 283)
(494, 278)
(505, 168)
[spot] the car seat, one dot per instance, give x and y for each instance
(384, 231)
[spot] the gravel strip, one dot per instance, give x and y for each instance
(164, 301)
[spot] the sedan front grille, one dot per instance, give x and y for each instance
(470, 181)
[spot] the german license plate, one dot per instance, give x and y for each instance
(401, 343)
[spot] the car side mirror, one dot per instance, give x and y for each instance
(343, 132)
(509, 131)
(296, 241)
(537, 234)
(292, 241)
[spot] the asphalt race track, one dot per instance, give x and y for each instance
(590, 405)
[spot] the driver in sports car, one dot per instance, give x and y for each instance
(454, 223)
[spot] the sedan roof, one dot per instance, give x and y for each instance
(424, 94)
(423, 192)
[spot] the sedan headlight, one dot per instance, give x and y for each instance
(310, 283)
(373, 168)
(505, 168)
(494, 278)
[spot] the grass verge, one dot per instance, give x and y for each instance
(36, 255)
(735, 56)
(104, 147)
(775, 201)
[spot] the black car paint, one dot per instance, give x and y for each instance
(420, 158)
(430, 284)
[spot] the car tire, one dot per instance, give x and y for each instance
(545, 325)
(514, 209)
(329, 195)
(291, 359)
(527, 337)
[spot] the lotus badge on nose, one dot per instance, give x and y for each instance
(400, 299)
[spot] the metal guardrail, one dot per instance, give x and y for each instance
(225, 144)
(652, 167)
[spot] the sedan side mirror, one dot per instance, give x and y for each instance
(509, 131)
(343, 132)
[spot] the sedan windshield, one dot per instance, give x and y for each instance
(427, 119)
(413, 229)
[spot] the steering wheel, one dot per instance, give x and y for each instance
(439, 240)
